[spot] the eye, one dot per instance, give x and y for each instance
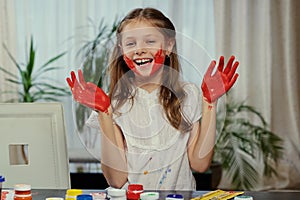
(150, 41)
(129, 44)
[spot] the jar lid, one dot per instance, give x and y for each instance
(243, 197)
(149, 196)
(22, 187)
(174, 197)
(135, 187)
(73, 192)
(2, 179)
(116, 192)
(134, 191)
(84, 197)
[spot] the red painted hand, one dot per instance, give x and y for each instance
(217, 84)
(88, 93)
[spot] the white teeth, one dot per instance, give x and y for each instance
(142, 61)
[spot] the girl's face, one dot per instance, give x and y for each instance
(144, 47)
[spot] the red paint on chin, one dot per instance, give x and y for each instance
(159, 60)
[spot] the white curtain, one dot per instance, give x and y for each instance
(65, 25)
(7, 38)
(264, 35)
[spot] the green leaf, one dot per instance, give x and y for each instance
(8, 73)
(52, 60)
(41, 72)
(49, 86)
(12, 58)
(30, 63)
(246, 108)
(13, 81)
(26, 81)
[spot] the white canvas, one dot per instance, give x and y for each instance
(41, 128)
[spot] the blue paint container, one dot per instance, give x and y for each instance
(174, 197)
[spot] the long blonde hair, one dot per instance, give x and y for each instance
(171, 92)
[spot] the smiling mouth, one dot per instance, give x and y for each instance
(143, 61)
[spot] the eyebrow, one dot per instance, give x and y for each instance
(132, 37)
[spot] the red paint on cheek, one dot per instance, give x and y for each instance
(159, 60)
(130, 63)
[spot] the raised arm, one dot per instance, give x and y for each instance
(113, 160)
(214, 85)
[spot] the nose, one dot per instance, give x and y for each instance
(140, 49)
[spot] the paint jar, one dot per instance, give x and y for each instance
(134, 191)
(174, 197)
(22, 192)
(8, 194)
(2, 179)
(71, 194)
(54, 198)
(84, 197)
(243, 197)
(149, 196)
(116, 194)
(99, 195)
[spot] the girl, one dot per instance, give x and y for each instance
(155, 127)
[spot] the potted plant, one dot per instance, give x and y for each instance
(243, 139)
(95, 56)
(33, 82)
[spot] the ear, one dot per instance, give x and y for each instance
(169, 46)
(120, 48)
